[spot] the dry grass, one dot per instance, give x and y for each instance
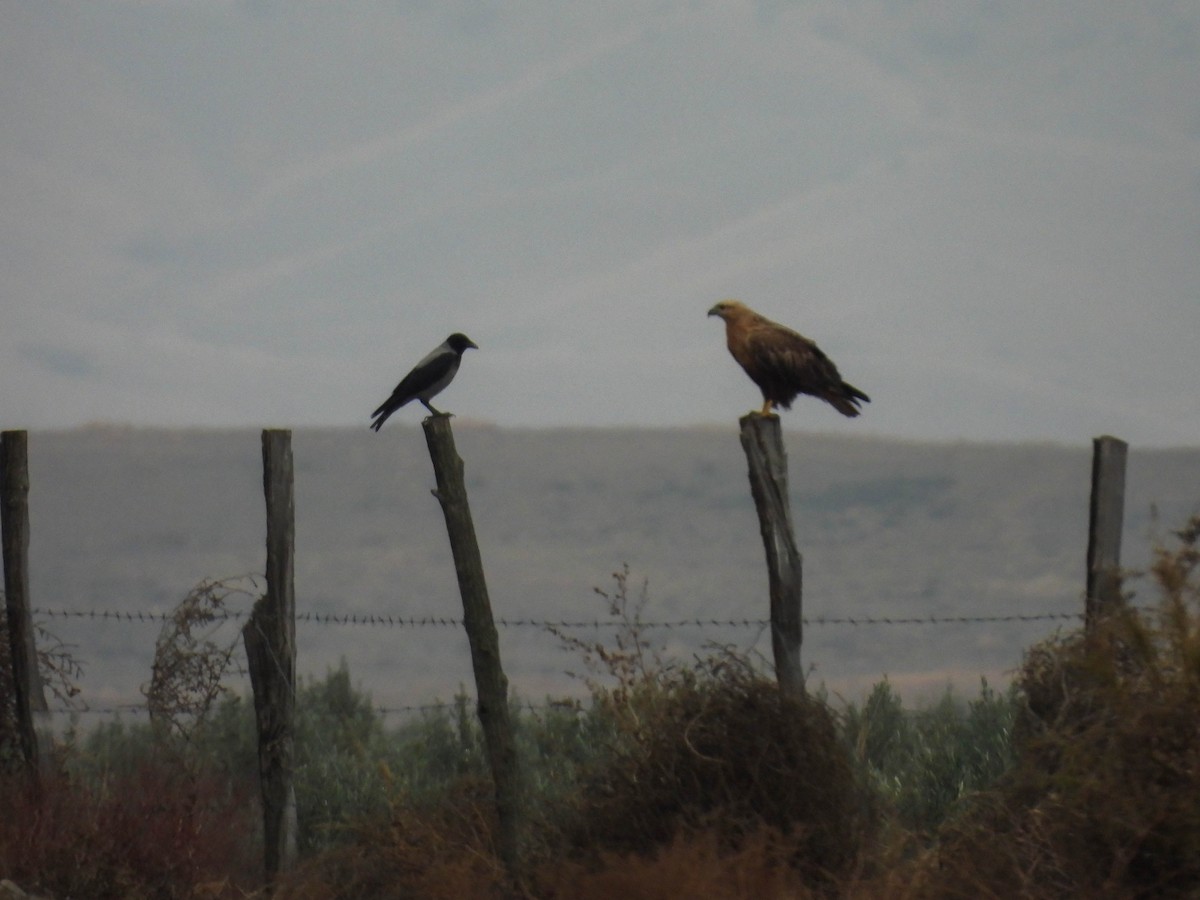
(442, 852)
(697, 864)
(150, 834)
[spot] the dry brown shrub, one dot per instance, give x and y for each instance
(1105, 800)
(721, 750)
(191, 665)
(146, 834)
(431, 852)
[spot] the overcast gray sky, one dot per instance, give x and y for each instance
(262, 213)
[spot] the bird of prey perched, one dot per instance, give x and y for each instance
(427, 378)
(783, 363)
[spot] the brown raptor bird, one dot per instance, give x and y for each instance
(783, 363)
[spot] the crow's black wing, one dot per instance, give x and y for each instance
(429, 376)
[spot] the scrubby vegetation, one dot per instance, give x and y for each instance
(1104, 796)
(674, 780)
(920, 763)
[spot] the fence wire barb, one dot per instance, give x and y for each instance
(142, 709)
(392, 621)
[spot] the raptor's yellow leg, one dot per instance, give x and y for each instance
(766, 410)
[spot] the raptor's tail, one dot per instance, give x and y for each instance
(846, 399)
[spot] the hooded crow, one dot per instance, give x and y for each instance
(427, 378)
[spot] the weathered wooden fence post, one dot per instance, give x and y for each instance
(1105, 521)
(762, 439)
(491, 684)
(270, 640)
(14, 527)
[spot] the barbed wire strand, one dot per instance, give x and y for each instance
(142, 708)
(391, 621)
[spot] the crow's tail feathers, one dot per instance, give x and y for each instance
(380, 416)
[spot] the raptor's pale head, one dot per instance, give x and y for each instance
(727, 309)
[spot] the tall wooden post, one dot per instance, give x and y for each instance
(491, 684)
(762, 439)
(14, 535)
(270, 640)
(1105, 521)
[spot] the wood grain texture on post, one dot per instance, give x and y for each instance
(270, 640)
(1106, 519)
(491, 684)
(14, 535)
(762, 440)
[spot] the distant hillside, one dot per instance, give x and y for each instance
(131, 519)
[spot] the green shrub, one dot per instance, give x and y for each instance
(924, 761)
